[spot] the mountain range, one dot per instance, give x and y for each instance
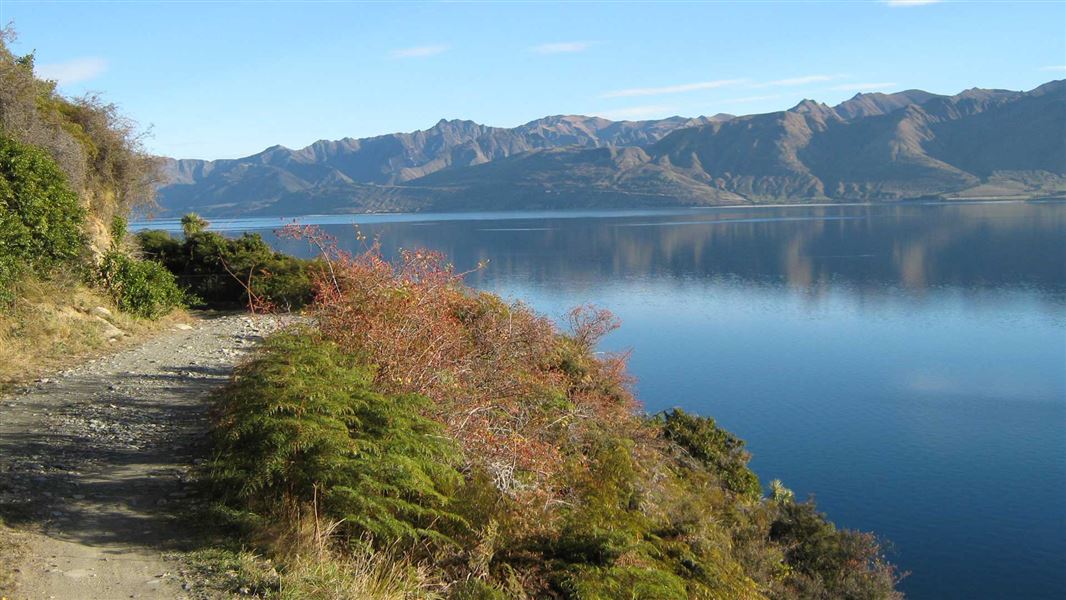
(873, 147)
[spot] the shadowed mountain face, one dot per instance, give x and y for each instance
(873, 147)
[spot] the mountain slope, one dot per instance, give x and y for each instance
(873, 147)
(390, 159)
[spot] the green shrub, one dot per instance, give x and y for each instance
(828, 562)
(715, 448)
(217, 270)
(629, 582)
(119, 230)
(10, 271)
(40, 216)
(141, 287)
(302, 423)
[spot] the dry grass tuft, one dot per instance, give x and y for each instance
(313, 567)
(302, 562)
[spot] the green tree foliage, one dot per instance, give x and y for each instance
(220, 271)
(302, 421)
(40, 216)
(192, 224)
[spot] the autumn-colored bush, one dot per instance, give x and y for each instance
(507, 384)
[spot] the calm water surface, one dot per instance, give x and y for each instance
(905, 364)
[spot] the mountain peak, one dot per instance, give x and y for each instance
(808, 105)
(813, 108)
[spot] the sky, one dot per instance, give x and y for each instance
(228, 79)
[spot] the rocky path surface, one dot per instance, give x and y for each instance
(94, 459)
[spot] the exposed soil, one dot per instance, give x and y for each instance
(95, 460)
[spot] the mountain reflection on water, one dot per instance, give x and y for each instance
(869, 249)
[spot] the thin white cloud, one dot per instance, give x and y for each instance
(911, 2)
(746, 99)
(562, 47)
(1054, 68)
(420, 51)
(635, 113)
(73, 71)
(673, 89)
(799, 80)
(863, 87)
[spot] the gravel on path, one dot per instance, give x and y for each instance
(94, 459)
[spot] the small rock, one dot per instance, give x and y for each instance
(183, 327)
(100, 311)
(108, 330)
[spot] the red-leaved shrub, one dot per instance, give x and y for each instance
(508, 385)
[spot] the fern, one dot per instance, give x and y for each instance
(302, 423)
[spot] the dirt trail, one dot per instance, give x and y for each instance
(93, 461)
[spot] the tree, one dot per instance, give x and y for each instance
(192, 224)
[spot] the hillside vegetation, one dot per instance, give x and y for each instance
(70, 170)
(423, 439)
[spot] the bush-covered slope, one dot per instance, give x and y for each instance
(70, 170)
(432, 425)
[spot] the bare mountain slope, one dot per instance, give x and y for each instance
(390, 159)
(873, 147)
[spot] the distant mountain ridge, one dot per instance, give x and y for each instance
(873, 147)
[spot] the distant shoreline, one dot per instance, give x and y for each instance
(173, 222)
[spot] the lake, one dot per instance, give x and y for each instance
(905, 364)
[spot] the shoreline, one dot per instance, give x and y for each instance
(358, 218)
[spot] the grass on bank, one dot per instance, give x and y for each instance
(54, 324)
(304, 568)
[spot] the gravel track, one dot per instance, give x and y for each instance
(94, 460)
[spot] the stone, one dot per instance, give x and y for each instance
(108, 330)
(100, 311)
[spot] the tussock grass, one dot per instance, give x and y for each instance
(368, 575)
(301, 562)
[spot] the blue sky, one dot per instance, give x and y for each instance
(227, 79)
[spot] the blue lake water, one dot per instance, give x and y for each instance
(905, 364)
